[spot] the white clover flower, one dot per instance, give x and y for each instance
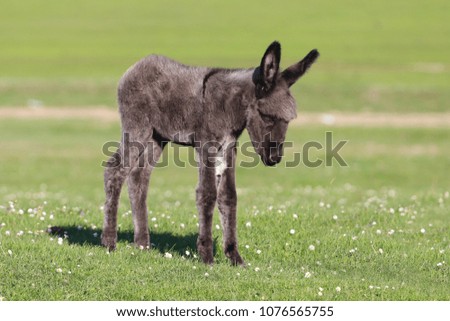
(381, 251)
(295, 216)
(321, 289)
(60, 240)
(354, 238)
(206, 274)
(187, 253)
(391, 210)
(182, 225)
(248, 224)
(307, 275)
(247, 246)
(320, 293)
(238, 274)
(335, 217)
(95, 234)
(7, 232)
(371, 287)
(338, 289)
(194, 267)
(20, 233)
(20, 212)
(390, 232)
(292, 231)
(217, 227)
(311, 247)
(378, 232)
(321, 204)
(167, 255)
(10, 252)
(439, 264)
(422, 230)
(258, 252)
(257, 269)
(153, 219)
(59, 270)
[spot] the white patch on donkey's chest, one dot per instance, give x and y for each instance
(221, 166)
(221, 160)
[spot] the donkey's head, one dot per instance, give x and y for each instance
(274, 107)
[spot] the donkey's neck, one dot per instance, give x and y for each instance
(227, 93)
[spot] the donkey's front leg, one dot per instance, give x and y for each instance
(227, 201)
(206, 199)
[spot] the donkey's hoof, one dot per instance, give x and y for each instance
(205, 250)
(109, 242)
(236, 260)
(206, 255)
(208, 260)
(142, 246)
(142, 241)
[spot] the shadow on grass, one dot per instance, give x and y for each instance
(161, 241)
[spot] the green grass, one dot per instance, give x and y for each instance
(53, 168)
(378, 56)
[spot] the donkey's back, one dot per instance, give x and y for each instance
(166, 91)
(162, 79)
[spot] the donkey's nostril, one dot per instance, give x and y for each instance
(274, 159)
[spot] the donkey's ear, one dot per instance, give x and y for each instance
(270, 63)
(294, 72)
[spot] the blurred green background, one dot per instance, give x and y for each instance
(375, 55)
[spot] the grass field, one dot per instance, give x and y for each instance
(65, 53)
(382, 200)
(378, 229)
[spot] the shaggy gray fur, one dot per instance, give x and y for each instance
(161, 100)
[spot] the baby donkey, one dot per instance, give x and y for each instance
(161, 101)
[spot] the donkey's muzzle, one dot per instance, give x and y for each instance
(273, 155)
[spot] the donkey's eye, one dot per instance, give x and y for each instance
(268, 120)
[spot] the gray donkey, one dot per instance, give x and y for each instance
(161, 100)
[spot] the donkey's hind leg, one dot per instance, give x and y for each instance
(127, 157)
(138, 181)
(114, 177)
